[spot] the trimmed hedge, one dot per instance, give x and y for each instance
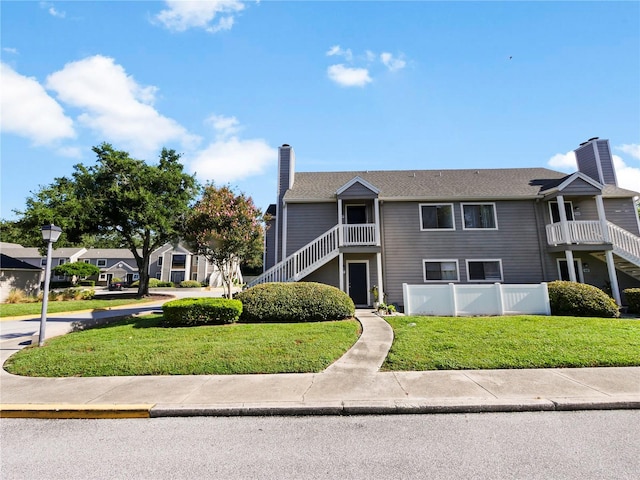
(153, 283)
(580, 300)
(190, 284)
(189, 312)
(633, 299)
(294, 302)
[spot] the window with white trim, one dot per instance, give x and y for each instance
(61, 261)
(101, 262)
(160, 261)
(102, 277)
(136, 276)
(479, 216)
(43, 261)
(554, 211)
(86, 260)
(484, 270)
(436, 216)
(441, 271)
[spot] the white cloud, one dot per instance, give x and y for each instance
(115, 106)
(224, 126)
(349, 76)
(393, 64)
(13, 51)
(337, 50)
(632, 149)
(231, 159)
(628, 177)
(183, 15)
(52, 10)
(565, 162)
(28, 111)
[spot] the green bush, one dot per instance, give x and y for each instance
(633, 299)
(580, 300)
(294, 302)
(189, 312)
(87, 283)
(190, 284)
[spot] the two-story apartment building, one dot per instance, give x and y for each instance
(358, 229)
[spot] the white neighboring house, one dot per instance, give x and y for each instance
(19, 275)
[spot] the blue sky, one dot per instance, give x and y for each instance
(350, 85)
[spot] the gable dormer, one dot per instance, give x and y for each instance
(357, 188)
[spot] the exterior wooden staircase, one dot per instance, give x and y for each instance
(319, 252)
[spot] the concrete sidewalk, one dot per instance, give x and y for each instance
(352, 385)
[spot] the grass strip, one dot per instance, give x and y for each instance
(453, 343)
(140, 346)
(19, 309)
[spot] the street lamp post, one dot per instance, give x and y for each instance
(50, 234)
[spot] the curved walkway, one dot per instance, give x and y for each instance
(352, 385)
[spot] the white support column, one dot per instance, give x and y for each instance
(563, 219)
(613, 278)
(376, 209)
(570, 267)
(603, 219)
(379, 267)
(340, 230)
(341, 269)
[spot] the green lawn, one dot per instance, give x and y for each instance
(446, 343)
(18, 309)
(142, 347)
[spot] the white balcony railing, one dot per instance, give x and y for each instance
(581, 231)
(361, 234)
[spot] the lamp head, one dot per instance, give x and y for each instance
(51, 233)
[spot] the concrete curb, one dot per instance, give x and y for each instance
(337, 408)
(64, 411)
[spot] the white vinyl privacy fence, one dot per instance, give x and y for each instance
(460, 300)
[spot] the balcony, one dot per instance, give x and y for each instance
(582, 232)
(364, 234)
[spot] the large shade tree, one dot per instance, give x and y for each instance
(226, 229)
(120, 197)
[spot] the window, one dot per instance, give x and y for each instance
(102, 277)
(43, 261)
(441, 271)
(136, 276)
(436, 217)
(479, 215)
(555, 212)
(86, 260)
(484, 270)
(179, 261)
(160, 261)
(563, 269)
(61, 261)
(101, 262)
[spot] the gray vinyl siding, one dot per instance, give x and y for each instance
(515, 243)
(579, 187)
(270, 242)
(327, 274)
(285, 179)
(306, 222)
(606, 162)
(587, 162)
(359, 191)
(622, 212)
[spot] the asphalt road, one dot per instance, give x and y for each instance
(543, 445)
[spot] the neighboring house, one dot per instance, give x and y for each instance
(18, 275)
(356, 230)
(32, 256)
(113, 263)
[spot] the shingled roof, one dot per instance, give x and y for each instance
(425, 185)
